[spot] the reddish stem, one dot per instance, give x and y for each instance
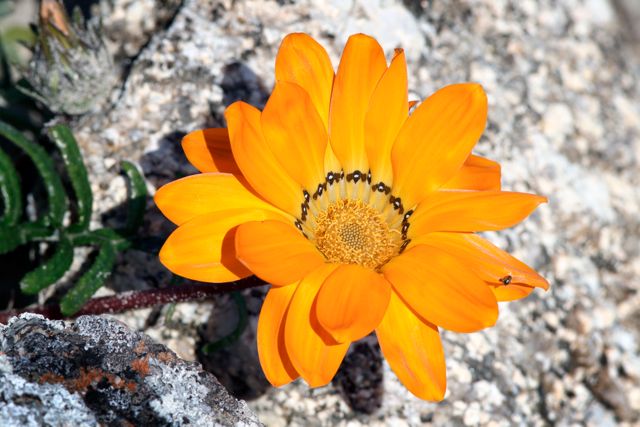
(139, 299)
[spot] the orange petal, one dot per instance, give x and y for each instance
(303, 61)
(203, 248)
(491, 264)
(274, 360)
(412, 104)
(331, 162)
(477, 173)
(295, 133)
(442, 290)
(186, 198)
(313, 352)
(276, 252)
(387, 112)
(436, 139)
(511, 292)
(361, 66)
(471, 211)
(352, 302)
(209, 150)
(413, 349)
(256, 161)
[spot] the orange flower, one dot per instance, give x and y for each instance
(359, 214)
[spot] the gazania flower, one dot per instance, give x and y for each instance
(359, 213)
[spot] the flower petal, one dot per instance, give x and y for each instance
(413, 349)
(471, 211)
(511, 292)
(491, 264)
(256, 161)
(361, 66)
(477, 173)
(184, 199)
(387, 112)
(203, 248)
(295, 133)
(276, 252)
(209, 150)
(352, 302)
(436, 139)
(303, 61)
(274, 360)
(441, 289)
(314, 354)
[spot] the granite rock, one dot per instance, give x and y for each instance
(96, 371)
(564, 121)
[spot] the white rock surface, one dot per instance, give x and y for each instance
(564, 121)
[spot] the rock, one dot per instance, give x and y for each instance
(24, 403)
(564, 108)
(227, 346)
(360, 378)
(98, 371)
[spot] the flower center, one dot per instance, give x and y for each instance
(352, 232)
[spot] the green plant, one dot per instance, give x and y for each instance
(16, 107)
(51, 227)
(71, 70)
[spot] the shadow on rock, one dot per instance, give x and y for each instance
(227, 345)
(240, 83)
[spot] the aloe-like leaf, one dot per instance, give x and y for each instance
(77, 18)
(46, 168)
(63, 138)
(12, 236)
(26, 89)
(90, 281)
(4, 64)
(102, 236)
(19, 33)
(10, 191)
(60, 37)
(9, 239)
(137, 197)
(12, 38)
(50, 271)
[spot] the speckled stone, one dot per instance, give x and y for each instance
(97, 371)
(564, 121)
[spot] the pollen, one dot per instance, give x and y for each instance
(352, 232)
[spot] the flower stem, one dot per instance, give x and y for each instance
(139, 299)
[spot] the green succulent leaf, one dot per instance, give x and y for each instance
(90, 281)
(50, 271)
(13, 236)
(137, 197)
(46, 168)
(102, 236)
(9, 191)
(63, 138)
(49, 227)
(9, 239)
(12, 38)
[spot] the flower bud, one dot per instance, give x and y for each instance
(71, 70)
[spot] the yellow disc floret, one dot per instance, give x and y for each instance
(352, 232)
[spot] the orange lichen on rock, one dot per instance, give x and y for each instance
(141, 366)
